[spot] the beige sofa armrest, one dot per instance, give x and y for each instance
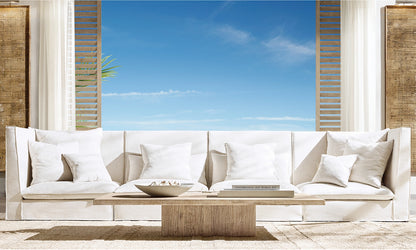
(18, 169)
(397, 174)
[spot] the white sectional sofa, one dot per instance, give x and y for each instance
(298, 152)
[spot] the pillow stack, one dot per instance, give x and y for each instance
(354, 157)
(68, 156)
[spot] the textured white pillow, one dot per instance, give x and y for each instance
(219, 167)
(87, 168)
(250, 161)
(170, 162)
(47, 162)
(335, 169)
(89, 141)
(371, 163)
(197, 165)
(338, 140)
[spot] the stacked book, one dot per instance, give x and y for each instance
(255, 191)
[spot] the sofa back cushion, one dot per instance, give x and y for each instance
(307, 150)
(112, 152)
(133, 139)
(283, 154)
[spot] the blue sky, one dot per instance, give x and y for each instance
(200, 65)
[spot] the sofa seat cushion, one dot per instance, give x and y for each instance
(228, 184)
(68, 190)
(354, 191)
(130, 187)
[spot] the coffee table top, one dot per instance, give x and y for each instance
(201, 198)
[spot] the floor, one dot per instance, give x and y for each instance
(146, 235)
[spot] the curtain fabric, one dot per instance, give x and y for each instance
(57, 65)
(360, 90)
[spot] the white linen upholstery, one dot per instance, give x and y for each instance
(307, 150)
(338, 140)
(166, 161)
(89, 141)
(251, 161)
(130, 187)
(65, 210)
(218, 162)
(133, 139)
(61, 190)
(353, 191)
(371, 163)
(335, 169)
(283, 153)
(112, 152)
(350, 210)
(47, 161)
(134, 167)
(87, 168)
(228, 184)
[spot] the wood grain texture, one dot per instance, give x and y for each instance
(198, 198)
(328, 67)
(88, 63)
(401, 70)
(208, 220)
(14, 71)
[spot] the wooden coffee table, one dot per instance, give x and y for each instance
(195, 214)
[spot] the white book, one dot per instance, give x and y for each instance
(256, 194)
(256, 186)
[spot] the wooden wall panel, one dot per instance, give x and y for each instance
(401, 70)
(14, 71)
(328, 68)
(88, 64)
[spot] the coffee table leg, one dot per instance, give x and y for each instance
(208, 220)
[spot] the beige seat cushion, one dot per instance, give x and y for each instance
(354, 191)
(68, 190)
(130, 187)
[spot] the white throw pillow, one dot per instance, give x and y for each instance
(87, 168)
(47, 161)
(197, 165)
(219, 167)
(371, 163)
(335, 169)
(250, 161)
(89, 141)
(338, 140)
(170, 162)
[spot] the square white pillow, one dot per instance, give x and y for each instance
(335, 169)
(219, 167)
(371, 163)
(166, 162)
(87, 168)
(89, 141)
(47, 161)
(250, 161)
(197, 165)
(338, 140)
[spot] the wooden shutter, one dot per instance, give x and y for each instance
(328, 67)
(88, 64)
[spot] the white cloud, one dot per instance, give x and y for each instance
(283, 118)
(290, 50)
(233, 35)
(155, 94)
(163, 122)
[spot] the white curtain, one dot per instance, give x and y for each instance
(360, 90)
(57, 65)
